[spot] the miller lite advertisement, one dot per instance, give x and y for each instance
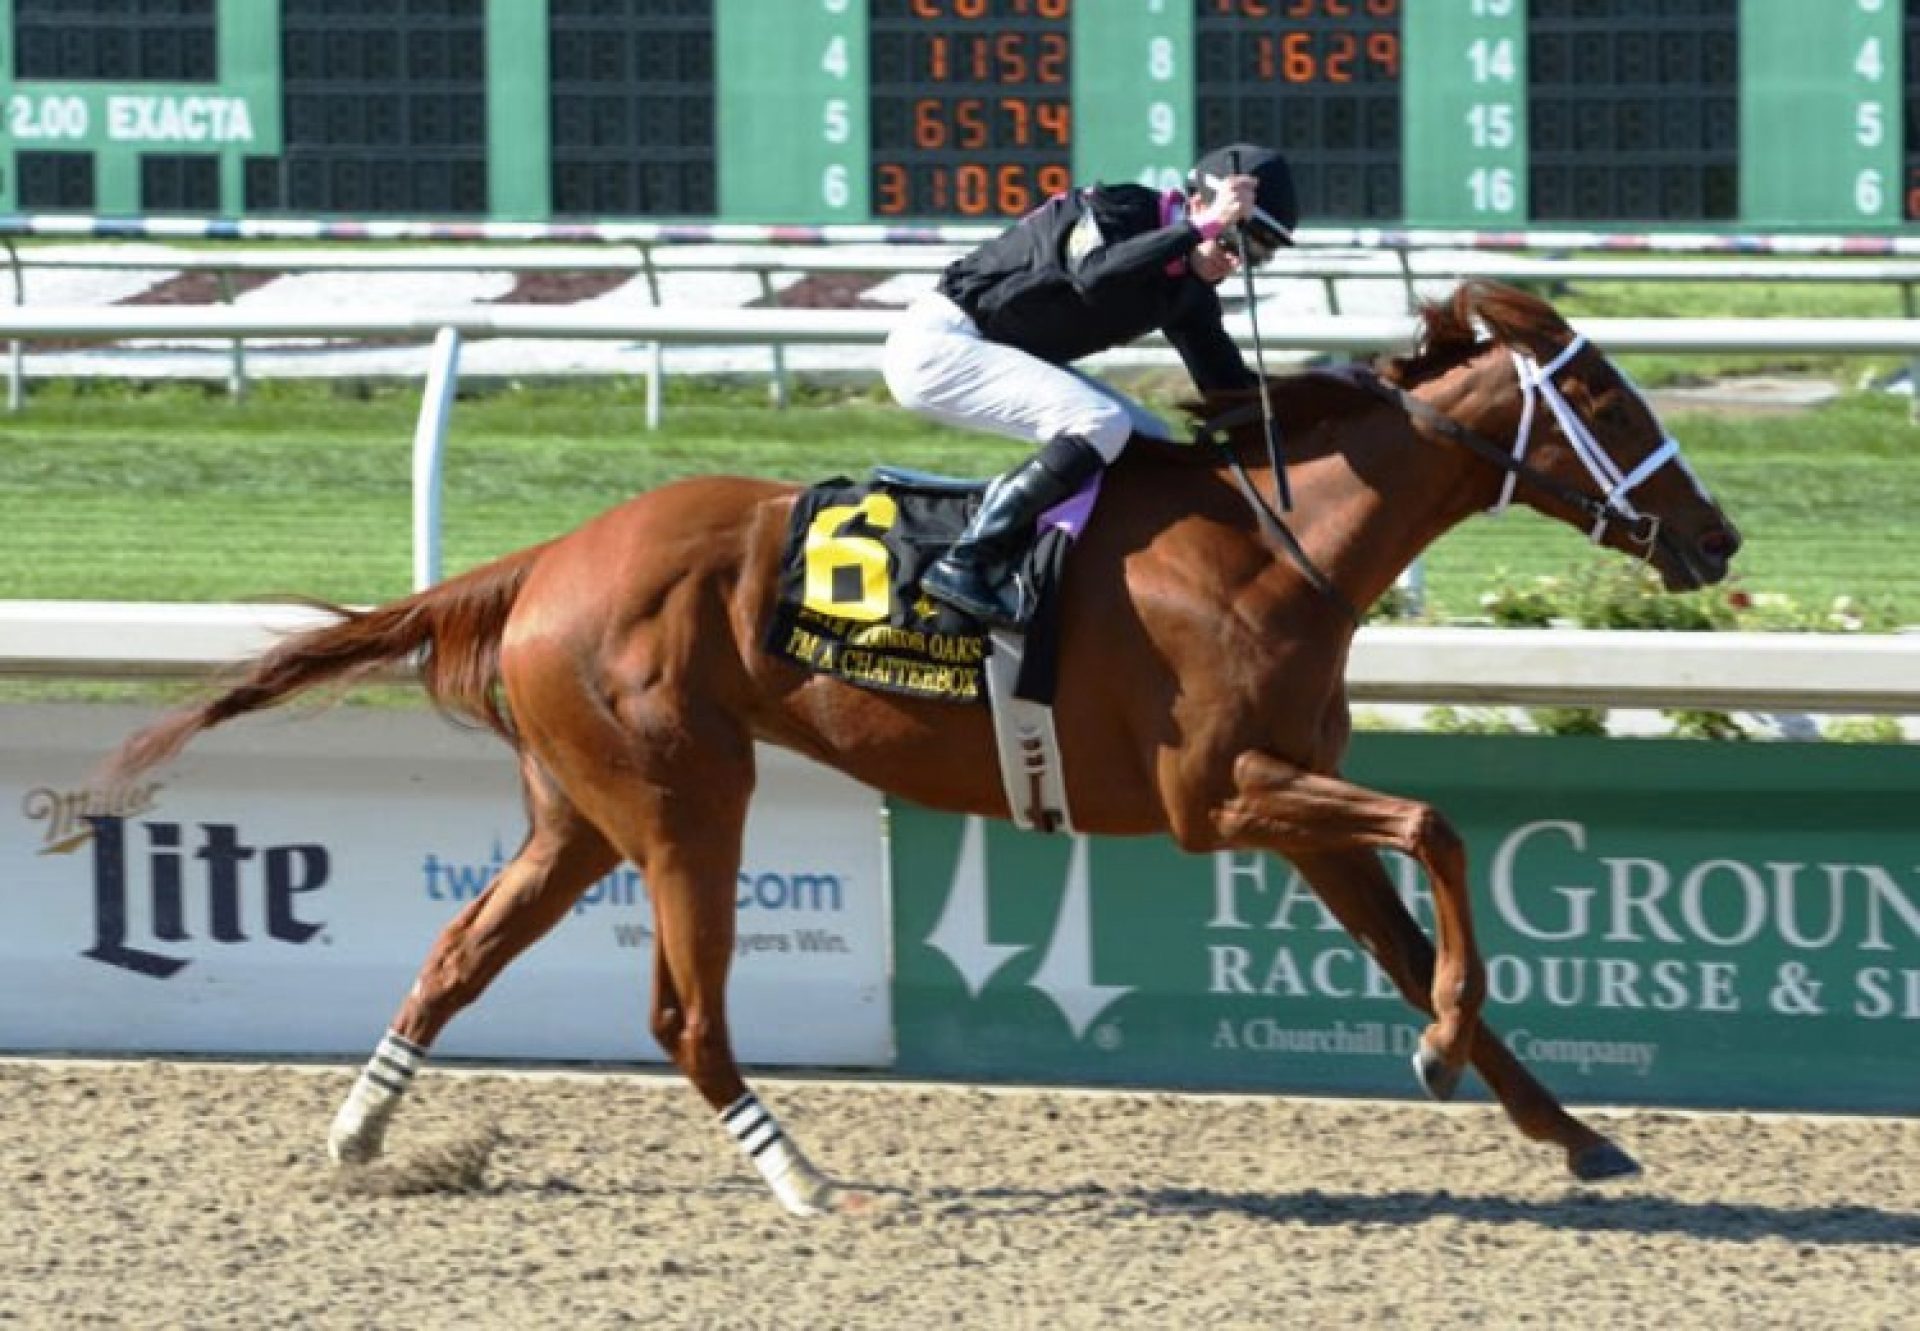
(275, 890)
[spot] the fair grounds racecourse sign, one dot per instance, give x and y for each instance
(1665, 923)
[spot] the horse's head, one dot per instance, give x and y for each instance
(1576, 439)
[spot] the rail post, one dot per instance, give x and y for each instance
(656, 359)
(429, 450)
(777, 390)
(237, 365)
(16, 349)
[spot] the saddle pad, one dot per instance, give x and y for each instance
(850, 603)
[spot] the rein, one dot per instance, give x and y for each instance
(1270, 521)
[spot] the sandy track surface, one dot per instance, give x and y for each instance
(150, 1194)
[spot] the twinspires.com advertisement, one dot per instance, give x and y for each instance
(1663, 922)
(276, 890)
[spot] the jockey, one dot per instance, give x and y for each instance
(1089, 270)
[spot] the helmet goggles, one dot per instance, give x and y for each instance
(1259, 237)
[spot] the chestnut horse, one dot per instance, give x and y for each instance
(1202, 656)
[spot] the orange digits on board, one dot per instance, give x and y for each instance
(1383, 48)
(1297, 64)
(929, 129)
(893, 189)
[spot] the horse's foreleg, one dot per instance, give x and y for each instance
(1281, 807)
(562, 857)
(1355, 887)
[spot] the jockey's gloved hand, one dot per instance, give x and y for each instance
(1233, 200)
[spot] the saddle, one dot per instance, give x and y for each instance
(850, 606)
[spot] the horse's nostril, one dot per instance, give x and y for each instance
(1722, 543)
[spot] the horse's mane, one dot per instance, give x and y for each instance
(1297, 400)
(1454, 328)
(1451, 330)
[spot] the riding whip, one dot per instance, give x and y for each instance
(1282, 489)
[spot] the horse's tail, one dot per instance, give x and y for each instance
(454, 628)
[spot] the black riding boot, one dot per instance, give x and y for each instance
(976, 576)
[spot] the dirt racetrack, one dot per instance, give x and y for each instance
(149, 1194)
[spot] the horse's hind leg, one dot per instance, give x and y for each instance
(1355, 887)
(693, 899)
(681, 813)
(563, 855)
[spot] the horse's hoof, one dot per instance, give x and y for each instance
(858, 1201)
(824, 1199)
(358, 1132)
(1440, 1080)
(346, 1152)
(1602, 1160)
(347, 1145)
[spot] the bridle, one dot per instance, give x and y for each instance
(1611, 504)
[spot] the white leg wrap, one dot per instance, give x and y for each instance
(361, 1125)
(801, 1188)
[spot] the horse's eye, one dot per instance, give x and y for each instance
(1612, 413)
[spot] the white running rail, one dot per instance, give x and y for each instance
(1786, 672)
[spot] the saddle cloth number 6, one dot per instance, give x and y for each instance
(848, 575)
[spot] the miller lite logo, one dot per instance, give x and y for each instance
(161, 882)
(68, 813)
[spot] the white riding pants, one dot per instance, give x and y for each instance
(939, 364)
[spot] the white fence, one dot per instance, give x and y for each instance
(748, 327)
(650, 261)
(1734, 671)
(656, 328)
(766, 253)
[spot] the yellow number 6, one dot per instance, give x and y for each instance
(832, 555)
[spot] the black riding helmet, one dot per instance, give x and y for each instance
(1276, 208)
